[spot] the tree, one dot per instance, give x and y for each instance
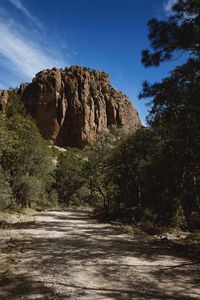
(6, 196)
(68, 174)
(130, 163)
(6, 144)
(98, 170)
(28, 160)
(174, 114)
(180, 33)
(15, 105)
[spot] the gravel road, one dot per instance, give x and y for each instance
(67, 255)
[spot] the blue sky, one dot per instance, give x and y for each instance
(108, 35)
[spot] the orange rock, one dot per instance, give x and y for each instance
(73, 106)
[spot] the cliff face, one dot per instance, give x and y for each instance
(73, 106)
(4, 97)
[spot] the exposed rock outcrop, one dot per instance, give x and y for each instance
(4, 97)
(73, 106)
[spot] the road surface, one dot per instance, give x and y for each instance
(67, 255)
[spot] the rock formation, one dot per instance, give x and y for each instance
(73, 106)
(4, 97)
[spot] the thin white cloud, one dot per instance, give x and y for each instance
(21, 55)
(168, 6)
(18, 4)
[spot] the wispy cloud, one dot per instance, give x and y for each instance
(168, 6)
(25, 48)
(18, 4)
(23, 55)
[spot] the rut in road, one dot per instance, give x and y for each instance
(67, 255)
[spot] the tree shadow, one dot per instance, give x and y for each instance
(15, 287)
(126, 266)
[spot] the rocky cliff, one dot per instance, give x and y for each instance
(73, 106)
(4, 97)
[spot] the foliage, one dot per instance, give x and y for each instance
(6, 196)
(175, 117)
(68, 174)
(175, 107)
(98, 172)
(26, 158)
(181, 32)
(15, 106)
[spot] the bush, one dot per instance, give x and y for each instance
(6, 196)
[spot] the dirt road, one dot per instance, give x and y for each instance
(67, 255)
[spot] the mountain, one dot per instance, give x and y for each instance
(72, 106)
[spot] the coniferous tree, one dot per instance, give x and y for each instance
(174, 114)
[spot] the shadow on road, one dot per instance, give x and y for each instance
(59, 248)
